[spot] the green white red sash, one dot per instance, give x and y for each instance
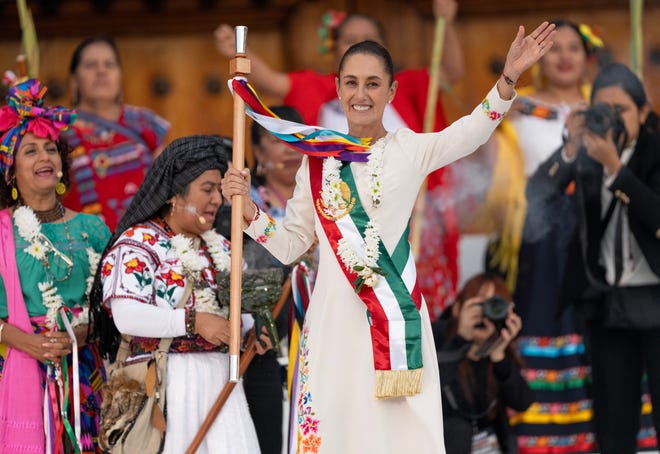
(393, 304)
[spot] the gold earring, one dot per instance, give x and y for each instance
(260, 170)
(60, 188)
(14, 193)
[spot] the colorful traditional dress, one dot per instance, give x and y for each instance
(315, 97)
(109, 160)
(337, 411)
(550, 345)
(142, 267)
(72, 238)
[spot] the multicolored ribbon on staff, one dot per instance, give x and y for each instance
(309, 140)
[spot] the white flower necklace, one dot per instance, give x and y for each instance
(205, 297)
(365, 267)
(331, 190)
(333, 200)
(29, 228)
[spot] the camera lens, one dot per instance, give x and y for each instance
(496, 310)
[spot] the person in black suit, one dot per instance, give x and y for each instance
(611, 152)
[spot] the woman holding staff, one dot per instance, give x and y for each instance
(366, 303)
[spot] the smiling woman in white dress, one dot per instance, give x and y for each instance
(368, 380)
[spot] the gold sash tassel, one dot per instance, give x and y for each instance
(398, 383)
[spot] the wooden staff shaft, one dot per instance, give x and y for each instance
(238, 66)
(429, 122)
(246, 358)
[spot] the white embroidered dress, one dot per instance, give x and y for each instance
(336, 411)
(143, 281)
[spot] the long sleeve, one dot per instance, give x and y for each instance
(130, 317)
(514, 392)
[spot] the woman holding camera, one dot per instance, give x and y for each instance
(479, 369)
(613, 268)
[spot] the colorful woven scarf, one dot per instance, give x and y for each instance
(309, 140)
(25, 112)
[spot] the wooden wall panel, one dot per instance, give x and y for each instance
(187, 60)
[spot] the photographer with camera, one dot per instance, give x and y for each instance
(479, 369)
(612, 153)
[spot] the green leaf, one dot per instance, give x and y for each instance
(358, 268)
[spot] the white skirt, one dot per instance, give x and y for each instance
(194, 381)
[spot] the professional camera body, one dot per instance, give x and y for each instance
(495, 309)
(600, 118)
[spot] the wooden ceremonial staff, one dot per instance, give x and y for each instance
(429, 122)
(246, 358)
(239, 66)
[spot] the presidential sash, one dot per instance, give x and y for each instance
(393, 303)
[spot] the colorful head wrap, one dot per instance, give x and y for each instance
(25, 112)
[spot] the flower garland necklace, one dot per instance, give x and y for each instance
(29, 228)
(331, 194)
(205, 297)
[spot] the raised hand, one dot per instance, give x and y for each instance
(225, 40)
(527, 50)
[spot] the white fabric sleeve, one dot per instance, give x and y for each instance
(144, 320)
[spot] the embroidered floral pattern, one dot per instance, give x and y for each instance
(492, 114)
(269, 231)
(139, 270)
(107, 269)
(309, 440)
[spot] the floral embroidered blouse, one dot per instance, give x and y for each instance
(142, 267)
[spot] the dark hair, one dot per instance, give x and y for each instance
(337, 31)
(559, 23)
(284, 112)
(619, 75)
(77, 53)
(5, 189)
(370, 48)
(77, 56)
(257, 132)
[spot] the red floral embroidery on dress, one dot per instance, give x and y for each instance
(492, 114)
(269, 231)
(149, 238)
(134, 265)
(308, 426)
(107, 269)
(139, 271)
(173, 278)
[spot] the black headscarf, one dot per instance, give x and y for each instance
(176, 167)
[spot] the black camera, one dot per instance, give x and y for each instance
(600, 118)
(496, 309)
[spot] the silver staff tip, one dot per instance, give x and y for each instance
(241, 38)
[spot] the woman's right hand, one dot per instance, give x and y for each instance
(225, 40)
(470, 318)
(213, 328)
(237, 182)
(46, 346)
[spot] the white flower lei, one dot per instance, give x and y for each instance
(366, 268)
(205, 297)
(331, 188)
(375, 170)
(29, 228)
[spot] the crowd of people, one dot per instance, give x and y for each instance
(114, 240)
